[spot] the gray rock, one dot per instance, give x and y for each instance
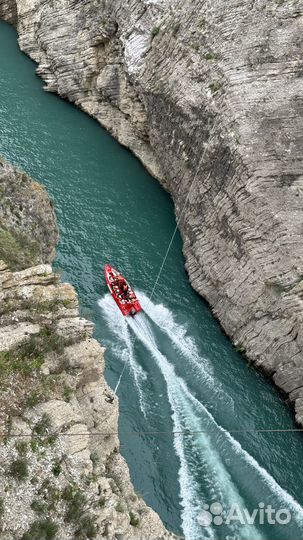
(54, 414)
(218, 85)
(28, 230)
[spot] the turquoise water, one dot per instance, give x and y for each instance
(182, 372)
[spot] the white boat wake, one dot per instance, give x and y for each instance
(184, 418)
(186, 347)
(213, 456)
(118, 325)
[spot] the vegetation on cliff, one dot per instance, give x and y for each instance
(218, 85)
(61, 474)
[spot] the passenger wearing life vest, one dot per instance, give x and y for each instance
(123, 287)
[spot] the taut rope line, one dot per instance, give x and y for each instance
(171, 241)
(175, 231)
(186, 432)
(165, 256)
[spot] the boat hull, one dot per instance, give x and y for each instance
(129, 306)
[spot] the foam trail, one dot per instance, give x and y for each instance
(188, 487)
(186, 414)
(185, 344)
(164, 319)
(184, 417)
(266, 478)
(118, 325)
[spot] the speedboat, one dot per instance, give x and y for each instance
(121, 291)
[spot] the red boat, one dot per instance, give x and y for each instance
(121, 291)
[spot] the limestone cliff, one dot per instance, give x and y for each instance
(61, 473)
(210, 91)
(28, 231)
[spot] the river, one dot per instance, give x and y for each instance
(182, 371)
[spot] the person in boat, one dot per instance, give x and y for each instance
(115, 283)
(123, 287)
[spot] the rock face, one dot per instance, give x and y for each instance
(209, 96)
(61, 473)
(28, 230)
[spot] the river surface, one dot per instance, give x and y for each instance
(182, 372)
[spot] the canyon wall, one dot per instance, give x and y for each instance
(61, 473)
(209, 96)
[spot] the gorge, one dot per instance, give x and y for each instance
(254, 289)
(220, 88)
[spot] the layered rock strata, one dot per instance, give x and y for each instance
(61, 473)
(209, 96)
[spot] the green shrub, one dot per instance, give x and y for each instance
(56, 468)
(39, 506)
(86, 529)
(7, 305)
(34, 444)
(215, 86)
(1, 507)
(21, 447)
(50, 441)
(210, 56)
(155, 31)
(19, 469)
(32, 400)
(17, 360)
(116, 483)
(94, 457)
(16, 250)
(43, 426)
(68, 493)
(51, 341)
(46, 341)
(41, 530)
(75, 500)
(67, 393)
(50, 493)
(68, 303)
(53, 497)
(102, 502)
(40, 307)
(89, 478)
(133, 519)
(28, 356)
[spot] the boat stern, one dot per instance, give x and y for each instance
(133, 309)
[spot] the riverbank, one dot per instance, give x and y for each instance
(193, 80)
(182, 372)
(62, 474)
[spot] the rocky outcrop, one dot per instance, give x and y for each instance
(61, 473)
(28, 230)
(8, 10)
(209, 96)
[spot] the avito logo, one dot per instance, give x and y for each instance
(215, 514)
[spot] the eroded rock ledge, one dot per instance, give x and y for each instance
(212, 89)
(61, 473)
